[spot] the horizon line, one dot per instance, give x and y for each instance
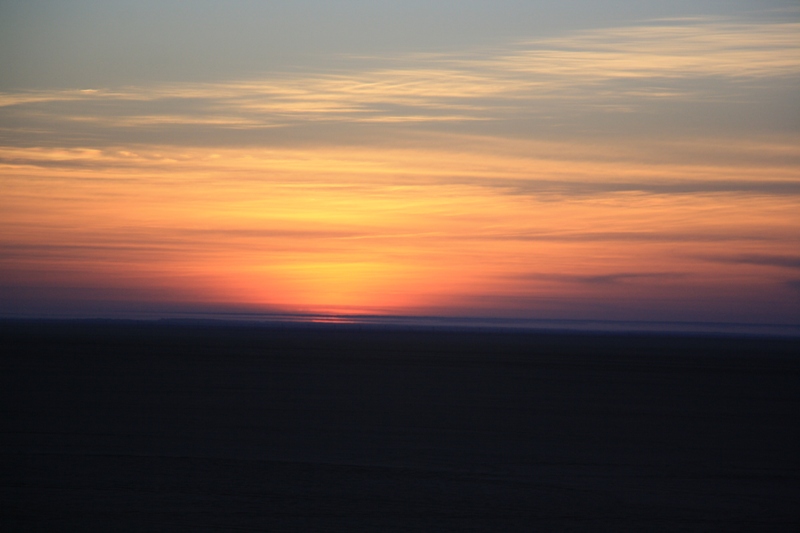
(437, 322)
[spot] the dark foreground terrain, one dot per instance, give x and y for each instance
(135, 427)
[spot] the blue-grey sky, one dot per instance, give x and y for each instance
(77, 43)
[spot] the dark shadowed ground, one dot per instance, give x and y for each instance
(136, 427)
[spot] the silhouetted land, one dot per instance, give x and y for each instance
(147, 427)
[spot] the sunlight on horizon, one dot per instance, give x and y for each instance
(643, 171)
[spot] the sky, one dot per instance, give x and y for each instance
(570, 160)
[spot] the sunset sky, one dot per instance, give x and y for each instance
(571, 159)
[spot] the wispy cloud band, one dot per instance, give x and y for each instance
(583, 69)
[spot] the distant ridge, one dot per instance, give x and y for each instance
(449, 323)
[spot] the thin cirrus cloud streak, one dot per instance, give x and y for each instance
(459, 87)
(419, 185)
(699, 48)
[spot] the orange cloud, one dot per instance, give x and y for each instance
(376, 230)
(388, 189)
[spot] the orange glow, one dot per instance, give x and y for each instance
(285, 229)
(650, 168)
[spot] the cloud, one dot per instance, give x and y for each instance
(614, 278)
(774, 260)
(585, 68)
(527, 168)
(643, 236)
(648, 186)
(664, 49)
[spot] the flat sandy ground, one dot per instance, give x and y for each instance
(125, 427)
